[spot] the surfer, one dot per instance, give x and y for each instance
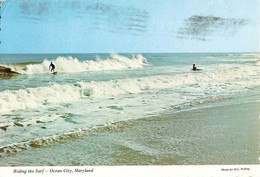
(52, 67)
(194, 67)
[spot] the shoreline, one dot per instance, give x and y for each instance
(206, 136)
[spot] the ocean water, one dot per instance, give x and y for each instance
(95, 98)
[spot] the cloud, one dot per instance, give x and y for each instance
(116, 19)
(203, 27)
(98, 16)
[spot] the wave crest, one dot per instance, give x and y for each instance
(73, 65)
(55, 94)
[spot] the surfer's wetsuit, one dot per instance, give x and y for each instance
(52, 67)
(194, 67)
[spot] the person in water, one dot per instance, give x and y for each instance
(52, 67)
(194, 67)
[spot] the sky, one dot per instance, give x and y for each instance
(129, 26)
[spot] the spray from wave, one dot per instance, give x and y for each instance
(73, 65)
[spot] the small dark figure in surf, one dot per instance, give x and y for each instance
(52, 67)
(194, 67)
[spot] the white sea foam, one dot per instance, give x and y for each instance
(34, 97)
(73, 65)
(54, 94)
(48, 140)
(252, 54)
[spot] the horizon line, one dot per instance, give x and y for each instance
(125, 53)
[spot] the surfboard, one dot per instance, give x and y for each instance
(196, 69)
(54, 73)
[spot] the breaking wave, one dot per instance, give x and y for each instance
(73, 65)
(13, 100)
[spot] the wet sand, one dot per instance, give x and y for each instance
(217, 135)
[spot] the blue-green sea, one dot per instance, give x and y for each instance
(130, 109)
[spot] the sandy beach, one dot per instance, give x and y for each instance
(215, 135)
